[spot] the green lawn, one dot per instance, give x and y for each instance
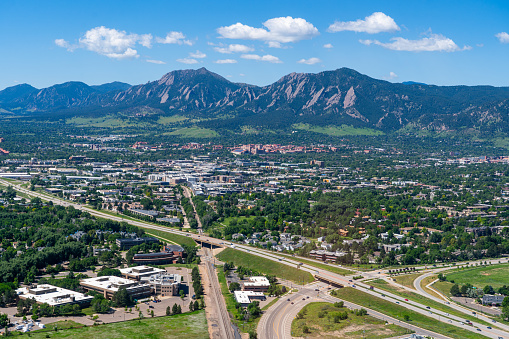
(496, 276)
(265, 266)
(398, 312)
(353, 327)
(182, 326)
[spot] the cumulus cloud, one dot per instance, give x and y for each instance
(198, 55)
(174, 38)
(310, 61)
(226, 61)
(188, 61)
(268, 58)
(276, 31)
(158, 62)
(113, 43)
(432, 43)
(375, 23)
(328, 46)
(503, 37)
(233, 48)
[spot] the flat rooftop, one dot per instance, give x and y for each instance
(257, 281)
(140, 271)
(243, 297)
(109, 282)
(52, 295)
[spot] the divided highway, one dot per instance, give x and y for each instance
(411, 305)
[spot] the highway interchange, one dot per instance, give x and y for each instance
(501, 330)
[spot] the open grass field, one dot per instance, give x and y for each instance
(266, 266)
(337, 131)
(407, 279)
(496, 276)
(194, 132)
(396, 311)
(353, 327)
(182, 326)
(171, 120)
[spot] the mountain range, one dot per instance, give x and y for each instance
(338, 97)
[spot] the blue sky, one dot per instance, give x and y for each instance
(436, 42)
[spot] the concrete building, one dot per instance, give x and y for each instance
(53, 296)
(246, 297)
(127, 243)
(164, 284)
(108, 285)
(256, 284)
(159, 258)
(490, 299)
(139, 272)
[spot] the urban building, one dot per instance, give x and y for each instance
(490, 299)
(159, 258)
(257, 284)
(108, 285)
(138, 272)
(53, 296)
(246, 297)
(127, 243)
(164, 284)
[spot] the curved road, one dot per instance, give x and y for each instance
(414, 306)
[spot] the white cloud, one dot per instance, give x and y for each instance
(158, 62)
(277, 30)
(503, 37)
(118, 44)
(174, 38)
(113, 43)
(242, 74)
(268, 58)
(328, 46)
(310, 61)
(274, 44)
(226, 61)
(234, 48)
(432, 43)
(198, 55)
(188, 61)
(375, 23)
(64, 44)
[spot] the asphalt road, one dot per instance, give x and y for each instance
(414, 306)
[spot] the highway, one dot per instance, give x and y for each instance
(276, 322)
(414, 306)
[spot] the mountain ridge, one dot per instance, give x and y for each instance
(333, 97)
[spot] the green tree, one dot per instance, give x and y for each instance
(455, 290)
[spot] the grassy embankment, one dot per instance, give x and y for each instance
(320, 324)
(182, 326)
(381, 284)
(265, 266)
(331, 268)
(396, 311)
